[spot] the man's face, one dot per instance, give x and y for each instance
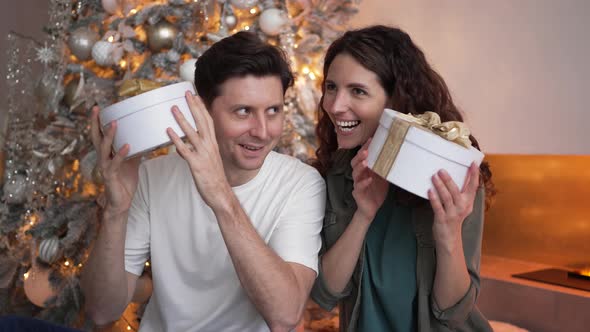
(248, 117)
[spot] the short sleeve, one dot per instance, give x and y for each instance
(137, 240)
(297, 238)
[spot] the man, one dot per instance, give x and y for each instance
(232, 228)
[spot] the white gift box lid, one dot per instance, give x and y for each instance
(142, 120)
(143, 101)
(434, 143)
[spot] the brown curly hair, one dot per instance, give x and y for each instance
(411, 85)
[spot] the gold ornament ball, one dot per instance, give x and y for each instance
(161, 35)
(37, 286)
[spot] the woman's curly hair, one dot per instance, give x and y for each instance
(411, 84)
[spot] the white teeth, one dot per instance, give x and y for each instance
(347, 123)
(251, 148)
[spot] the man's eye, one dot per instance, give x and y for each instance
(242, 111)
(273, 110)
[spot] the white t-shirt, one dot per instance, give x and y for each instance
(196, 287)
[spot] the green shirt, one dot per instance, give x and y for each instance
(388, 300)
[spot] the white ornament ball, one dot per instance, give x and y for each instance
(111, 6)
(37, 286)
(230, 21)
(244, 4)
(272, 20)
(49, 250)
(102, 53)
(187, 70)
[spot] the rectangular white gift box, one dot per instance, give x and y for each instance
(142, 120)
(421, 154)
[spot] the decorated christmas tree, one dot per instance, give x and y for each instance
(99, 52)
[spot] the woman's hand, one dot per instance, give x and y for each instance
(370, 190)
(451, 206)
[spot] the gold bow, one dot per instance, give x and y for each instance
(453, 131)
(133, 87)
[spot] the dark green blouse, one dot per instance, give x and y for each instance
(388, 300)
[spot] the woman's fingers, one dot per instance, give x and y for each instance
(442, 191)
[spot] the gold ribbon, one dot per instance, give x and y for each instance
(133, 87)
(453, 131)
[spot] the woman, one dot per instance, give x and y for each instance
(394, 261)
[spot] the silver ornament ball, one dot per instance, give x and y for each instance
(81, 41)
(161, 35)
(15, 189)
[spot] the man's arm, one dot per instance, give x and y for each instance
(278, 289)
(106, 285)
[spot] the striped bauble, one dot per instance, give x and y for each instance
(49, 250)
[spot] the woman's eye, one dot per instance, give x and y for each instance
(359, 92)
(330, 86)
(273, 110)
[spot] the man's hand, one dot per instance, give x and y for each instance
(120, 176)
(202, 155)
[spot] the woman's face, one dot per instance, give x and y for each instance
(354, 100)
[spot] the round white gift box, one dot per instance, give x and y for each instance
(420, 156)
(142, 120)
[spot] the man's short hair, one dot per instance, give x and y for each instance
(239, 55)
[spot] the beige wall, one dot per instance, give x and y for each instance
(520, 69)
